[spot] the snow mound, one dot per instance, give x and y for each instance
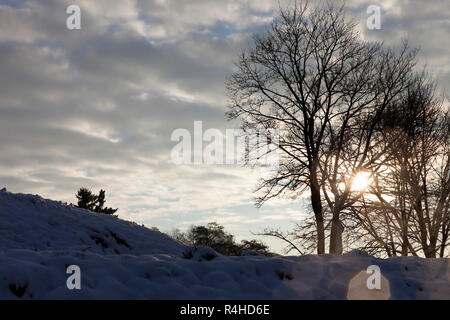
(118, 259)
(33, 223)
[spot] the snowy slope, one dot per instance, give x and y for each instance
(122, 260)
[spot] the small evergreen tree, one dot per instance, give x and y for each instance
(86, 199)
(90, 201)
(100, 201)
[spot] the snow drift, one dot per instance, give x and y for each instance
(119, 259)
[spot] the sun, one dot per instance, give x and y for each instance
(361, 181)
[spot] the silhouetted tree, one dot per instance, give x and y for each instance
(91, 201)
(213, 235)
(407, 212)
(86, 199)
(256, 246)
(312, 78)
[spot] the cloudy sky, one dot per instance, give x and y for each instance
(96, 107)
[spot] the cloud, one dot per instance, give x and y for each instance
(96, 107)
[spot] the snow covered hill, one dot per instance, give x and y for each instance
(118, 259)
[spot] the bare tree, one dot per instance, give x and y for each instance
(309, 77)
(408, 211)
(354, 143)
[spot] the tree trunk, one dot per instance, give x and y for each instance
(442, 249)
(336, 236)
(431, 252)
(444, 240)
(404, 231)
(317, 208)
(320, 235)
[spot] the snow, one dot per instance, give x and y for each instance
(119, 259)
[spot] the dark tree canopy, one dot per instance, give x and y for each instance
(90, 201)
(213, 235)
